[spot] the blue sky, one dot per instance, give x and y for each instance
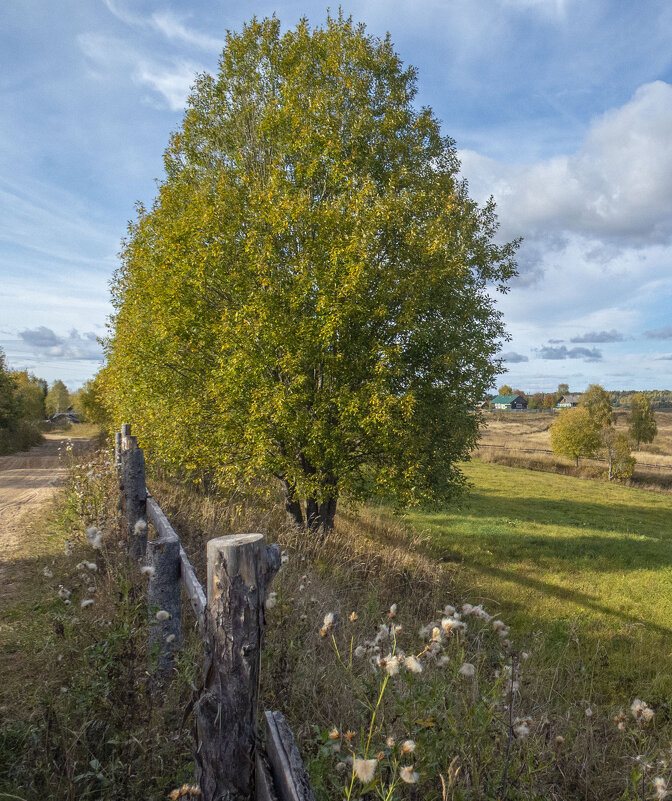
(561, 109)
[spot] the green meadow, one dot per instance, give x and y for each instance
(569, 563)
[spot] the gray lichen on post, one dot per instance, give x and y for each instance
(240, 569)
(134, 497)
(163, 595)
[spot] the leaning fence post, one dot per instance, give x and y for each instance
(240, 568)
(134, 495)
(163, 599)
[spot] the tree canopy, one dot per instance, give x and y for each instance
(643, 427)
(309, 295)
(574, 434)
(597, 402)
(58, 398)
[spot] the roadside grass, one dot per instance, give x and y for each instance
(559, 556)
(81, 717)
(576, 569)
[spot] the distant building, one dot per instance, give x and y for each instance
(568, 401)
(509, 403)
(69, 416)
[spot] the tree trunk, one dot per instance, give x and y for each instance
(312, 514)
(293, 504)
(327, 514)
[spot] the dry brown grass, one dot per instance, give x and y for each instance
(523, 440)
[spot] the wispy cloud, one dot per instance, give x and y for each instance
(173, 28)
(172, 81)
(170, 77)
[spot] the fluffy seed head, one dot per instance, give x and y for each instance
(408, 747)
(163, 615)
(412, 664)
(365, 769)
(408, 775)
(467, 669)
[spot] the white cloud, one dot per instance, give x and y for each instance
(618, 186)
(172, 81)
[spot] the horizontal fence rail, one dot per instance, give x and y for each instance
(230, 762)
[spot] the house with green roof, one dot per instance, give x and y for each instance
(507, 403)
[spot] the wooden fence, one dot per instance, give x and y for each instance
(230, 761)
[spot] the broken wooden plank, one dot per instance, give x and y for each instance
(290, 777)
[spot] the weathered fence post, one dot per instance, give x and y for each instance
(163, 599)
(134, 495)
(240, 568)
(117, 449)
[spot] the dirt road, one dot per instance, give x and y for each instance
(27, 481)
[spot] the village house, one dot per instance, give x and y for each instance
(569, 401)
(514, 403)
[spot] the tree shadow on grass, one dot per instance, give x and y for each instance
(572, 596)
(592, 552)
(628, 518)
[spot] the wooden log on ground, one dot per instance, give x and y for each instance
(164, 601)
(134, 498)
(290, 778)
(192, 585)
(240, 569)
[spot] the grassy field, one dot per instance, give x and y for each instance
(558, 554)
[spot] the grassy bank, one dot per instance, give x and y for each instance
(557, 554)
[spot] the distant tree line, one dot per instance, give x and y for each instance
(27, 401)
(658, 398)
